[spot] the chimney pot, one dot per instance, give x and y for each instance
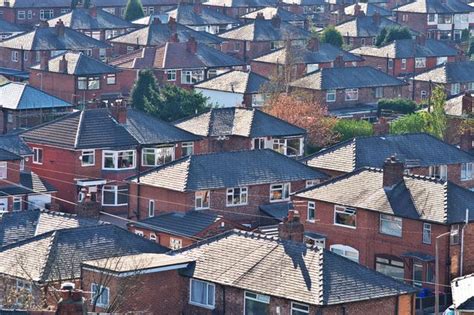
(393, 171)
(291, 229)
(60, 28)
(260, 16)
(339, 62)
(174, 38)
(276, 21)
(467, 104)
(155, 20)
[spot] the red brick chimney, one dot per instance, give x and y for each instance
(421, 39)
(276, 21)
(119, 111)
(93, 11)
(339, 62)
(63, 65)
(381, 127)
(44, 60)
(197, 8)
(313, 44)
(393, 171)
(87, 208)
(358, 10)
(260, 16)
(376, 18)
(155, 20)
(467, 104)
(72, 301)
(291, 229)
(60, 28)
(191, 45)
(172, 24)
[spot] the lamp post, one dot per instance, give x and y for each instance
(437, 271)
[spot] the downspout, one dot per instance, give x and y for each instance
(139, 154)
(461, 265)
(223, 300)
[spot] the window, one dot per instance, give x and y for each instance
(346, 251)
(187, 148)
(46, 14)
(351, 94)
(237, 46)
(311, 67)
(3, 170)
(330, 96)
(157, 156)
(88, 157)
(431, 17)
(390, 63)
(256, 303)
(276, 45)
(170, 75)
(417, 274)
(279, 192)
(100, 294)
(454, 236)
(88, 83)
(115, 160)
(201, 199)
(345, 216)
(439, 171)
(24, 291)
(311, 211)
(470, 86)
(378, 92)
(111, 79)
(14, 56)
(441, 60)
(202, 293)
(176, 243)
(25, 55)
(192, 76)
(420, 63)
(299, 309)
(130, 49)
(455, 88)
(30, 14)
(404, 64)
(114, 195)
(404, 17)
(139, 233)
(426, 233)
(288, 147)
(17, 204)
(37, 156)
(445, 19)
(423, 95)
(153, 237)
(312, 182)
(390, 225)
(151, 208)
(22, 165)
(21, 15)
(258, 143)
(237, 196)
(466, 171)
(391, 267)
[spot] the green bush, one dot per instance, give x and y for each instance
(399, 105)
(350, 128)
(412, 123)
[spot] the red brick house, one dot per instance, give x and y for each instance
(234, 128)
(8, 29)
(408, 56)
(316, 11)
(459, 112)
(349, 87)
(261, 36)
(240, 272)
(28, 49)
(181, 64)
(81, 79)
(100, 149)
(390, 222)
(422, 154)
(437, 19)
(454, 77)
(158, 34)
(237, 8)
(286, 16)
(232, 184)
(301, 59)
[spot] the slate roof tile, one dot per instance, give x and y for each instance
(192, 15)
(21, 96)
(435, 6)
(235, 81)
(84, 19)
(451, 72)
(408, 48)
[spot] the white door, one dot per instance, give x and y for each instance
(3, 205)
(38, 201)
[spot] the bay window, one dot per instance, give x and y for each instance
(279, 192)
(237, 196)
(351, 94)
(157, 156)
(390, 225)
(201, 199)
(202, 293)
(114, 195)
(116, 160)
(466, 171)
(346, 217)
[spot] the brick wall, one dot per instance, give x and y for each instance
(455, 253)
(415, 21)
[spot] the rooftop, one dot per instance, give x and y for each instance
(365, 26)
(21, 96)
(92, 19)
(269, 12)
(199, 15)
(235, 81)
(451, 72)
(436, 6)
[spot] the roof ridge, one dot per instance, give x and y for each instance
(78, 129)
(49, 257)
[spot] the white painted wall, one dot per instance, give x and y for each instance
(224, 99)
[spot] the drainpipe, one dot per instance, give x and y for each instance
(139, 154)
(461, 265)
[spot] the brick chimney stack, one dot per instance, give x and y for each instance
(63, 65)
(376, 18)
(313, 44)
(119, 111)
(174, 38)
(197, 8)
(276, 21)
(191, 45)
(44, 60)
(260, 16)
(339, 62)
(291, 229)
(155, 20)
(72, 301)
(172, 24)
(87, 208)
(381, 127)
(393, 171)
(358, 10)
(60, 28)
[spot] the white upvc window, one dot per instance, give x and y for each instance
(454, 235)
(455, 88)
(202, 199)
(21, 15)
(46, 14)
(470, 86)
(187, 148)
(157, 156)
(191, 76)
(312, 182)
(346, 217)
(426, 233)
(3, 170)
(37, 156)
(118, 160)
(351, 94)
(111, 79)
(289, 146)
(404, 64)
(22, 165)
(420, 62)
(202, 293)
(280, 192)
(258, 143)
(299, 309)
(345, 251)
(379, 92)
(391, 225)
(439, 171)
(441, 60)
(153, 237)
(101, 294)
(114, 195)
(176, 243)
(151, 208)
(17, 204)
(467, 171)
(88, 158)
(139, 233)
(311, 211)
(311, 67)
(170, 75)
(15, 55)
(256, 303)
(330, 96)
(237, 196)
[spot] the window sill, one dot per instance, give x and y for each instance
(346, 226)
(279, 200)
(202, 305)
(119, 169)
(117, 205)
(87, 165)
(236, 205)
(202, 208)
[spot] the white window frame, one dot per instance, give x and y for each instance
(312, 183)
(3, 170)
(345, 210)
(311, 208)
(299, 307)
(455, 88)
(156, 152)
(417, 283)
(176, 243)
(207, 286)
(345, 249)
(115, 157)
(87, 153)
(467, 171)
(329, 94)
(100, 289)
(404, 64)
(17, 200)
(21, 15)
(426, 231)
(379, 92)
(187, 145)
(37, 157)
(15, 55)
(151, 208)
(197, 196)
(195, 76)
(139, 233)
(420, 63)
(115, 189)
(170, 75)
(243, 194)
(284, 187)
(442, 169)
(262, 298)
(390, 219)
(349, 92)
(153, 237)
(111, 79)
(454, 237)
